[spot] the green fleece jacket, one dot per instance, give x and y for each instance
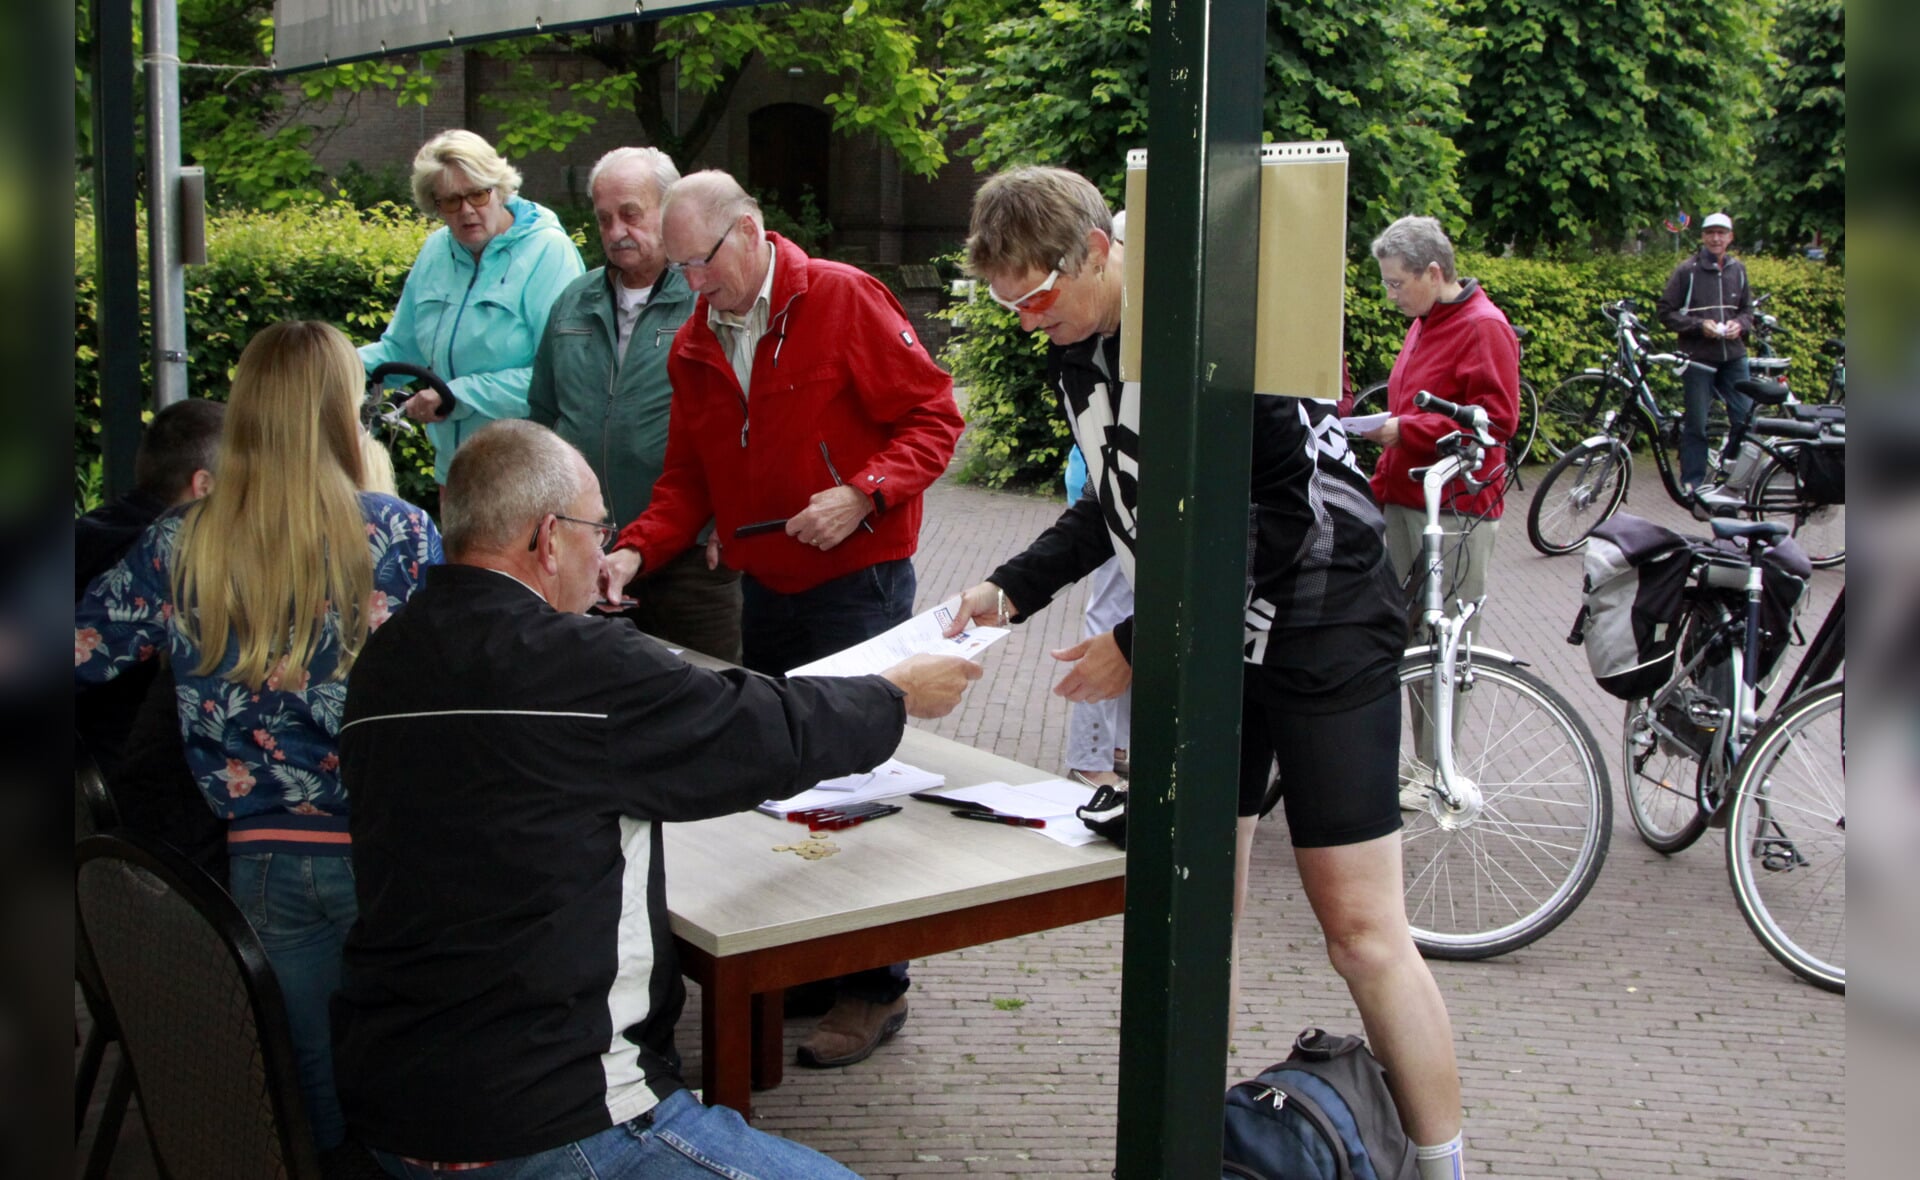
(616, 413)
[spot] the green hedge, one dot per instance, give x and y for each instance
(1018, 439)
(330, 262)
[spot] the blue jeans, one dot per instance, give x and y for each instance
(782, 631)
(678, 1138)
(301, 906)
(1700, 388)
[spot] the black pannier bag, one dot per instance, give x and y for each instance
(1784, 572)
(1634, 596)
(1821, 469)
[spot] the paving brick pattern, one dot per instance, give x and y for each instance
(1650, 1035)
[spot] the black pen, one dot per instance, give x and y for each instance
(994, 817)
(838, 482)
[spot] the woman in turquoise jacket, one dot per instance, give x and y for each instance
(477, 298)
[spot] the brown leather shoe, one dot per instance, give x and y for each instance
(851, 1031)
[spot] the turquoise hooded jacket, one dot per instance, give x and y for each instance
(476, 324)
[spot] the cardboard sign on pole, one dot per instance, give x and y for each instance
(1302, 239)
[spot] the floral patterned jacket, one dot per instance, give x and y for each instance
(266, 760)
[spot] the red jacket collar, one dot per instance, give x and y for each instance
(790, 280)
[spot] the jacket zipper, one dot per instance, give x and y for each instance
(458, 316)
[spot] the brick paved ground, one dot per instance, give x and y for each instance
(1650, 1035)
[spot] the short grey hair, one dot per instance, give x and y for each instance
(470, 154)
(658, 164)
(503, 482)
(1418, 242)
(718, 196)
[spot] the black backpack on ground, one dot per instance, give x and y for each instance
(1322, 1114)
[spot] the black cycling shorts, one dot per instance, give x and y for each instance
(1339, 772)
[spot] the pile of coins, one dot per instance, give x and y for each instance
(816, 846)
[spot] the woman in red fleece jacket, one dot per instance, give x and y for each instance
(1461, 348)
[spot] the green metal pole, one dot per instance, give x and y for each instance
(1197, 357)
(116, 242)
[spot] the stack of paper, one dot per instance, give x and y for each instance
(892, 777)
(920, 634)
(1053, 800)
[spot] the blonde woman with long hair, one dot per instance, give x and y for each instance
(263, 593)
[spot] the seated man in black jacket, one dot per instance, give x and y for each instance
(510, 988)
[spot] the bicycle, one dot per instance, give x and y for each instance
(1589, 482)
(1373, 400)
(1518, 809)
(1791, 469)
(1695, 755)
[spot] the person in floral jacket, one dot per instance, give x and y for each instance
(262, 626)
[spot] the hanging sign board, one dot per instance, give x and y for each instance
(308, 33)
(1303, 268)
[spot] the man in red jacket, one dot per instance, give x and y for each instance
(1461, 348)
(807, 420)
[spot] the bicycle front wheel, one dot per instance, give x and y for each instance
(1821, 529)
(1498, 874)
(1584, 487)
(1787, 837)
(1571, 411)
(1661, 780)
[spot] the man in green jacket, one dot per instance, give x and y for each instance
(600, 381)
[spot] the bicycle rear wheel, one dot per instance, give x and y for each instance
(1821, 529)
(1584, 487)
(1485, 881)
(1571, 411)
(1371, 400)
(1787, 838)
(1661, 779)
(1520, 448)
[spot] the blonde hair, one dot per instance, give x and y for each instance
(275, 559)
(470, 154)
(376, 463)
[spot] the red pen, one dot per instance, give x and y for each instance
(993, 817)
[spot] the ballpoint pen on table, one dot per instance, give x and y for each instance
(994, 817)
(838, 482)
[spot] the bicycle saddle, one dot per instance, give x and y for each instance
(1767, 393)
(1766, 530)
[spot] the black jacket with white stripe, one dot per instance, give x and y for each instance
(511, 984)
(1323, 609)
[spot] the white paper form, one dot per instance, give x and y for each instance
(1054, 800)
(1364, 423)
(920, 634)
(890, 778)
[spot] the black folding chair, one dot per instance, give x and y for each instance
(200, 1014)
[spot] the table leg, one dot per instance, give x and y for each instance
(726, 1038)
(769, 1038)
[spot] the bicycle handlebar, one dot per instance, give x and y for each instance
(1474, 418)
(377, 379)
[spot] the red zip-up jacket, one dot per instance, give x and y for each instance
(1466, 353)
(839, 364)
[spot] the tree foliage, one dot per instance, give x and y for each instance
(1067, 85)
(1800, 150)
(1590, 123)
(873, 51)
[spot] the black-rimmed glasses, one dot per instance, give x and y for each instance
(605, 528)
(681, 268)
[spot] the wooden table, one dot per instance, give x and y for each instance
(750, 922)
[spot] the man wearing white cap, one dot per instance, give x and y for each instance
(1709, 304)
